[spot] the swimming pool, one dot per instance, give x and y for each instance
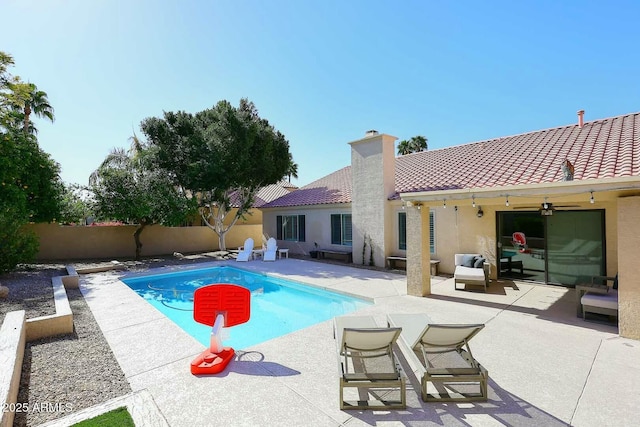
(278, 306)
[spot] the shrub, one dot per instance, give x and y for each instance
(17, 245)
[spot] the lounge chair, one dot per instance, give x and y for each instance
(246, 252)
(435, 352)
(270, 250)
(366, 359)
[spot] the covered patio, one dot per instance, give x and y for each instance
(466, 231)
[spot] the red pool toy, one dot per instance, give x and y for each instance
(218, 305)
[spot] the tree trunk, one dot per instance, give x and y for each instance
(136, 236)
(27, 114)
(221, 243)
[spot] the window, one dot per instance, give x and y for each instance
(402, 232)
(290, 227)
(341, 230)
(432, 233)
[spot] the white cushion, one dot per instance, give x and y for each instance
(468, 273)
(608, 300)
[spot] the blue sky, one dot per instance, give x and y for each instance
(322, 72)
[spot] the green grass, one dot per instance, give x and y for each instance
(118, 417)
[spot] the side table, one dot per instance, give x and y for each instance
(283, 252)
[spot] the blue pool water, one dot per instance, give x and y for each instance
(278, 306)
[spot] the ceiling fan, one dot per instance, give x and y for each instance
(546, 208)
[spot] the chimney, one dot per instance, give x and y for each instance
(373, 165)
(371, 132)
(580, 118)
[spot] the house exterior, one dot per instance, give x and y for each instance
(572, 192)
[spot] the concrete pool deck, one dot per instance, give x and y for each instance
(546, 366)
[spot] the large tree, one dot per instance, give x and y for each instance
(223, 156)
(414, 145)
(16, 244)
(30, 185)
(129, 187)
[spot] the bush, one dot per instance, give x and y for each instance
(17, 245)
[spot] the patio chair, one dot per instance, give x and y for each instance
(367, 362)
(270, 251)
(441, 355)
(246, 252)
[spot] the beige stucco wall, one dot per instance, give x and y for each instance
(461, 231)
(317, 227)
(629, 267)
(68, 242)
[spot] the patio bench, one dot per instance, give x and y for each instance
(322, 253)
(392, 260)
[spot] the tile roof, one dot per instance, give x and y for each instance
(606, 148)
(267, 194)
(333, 188)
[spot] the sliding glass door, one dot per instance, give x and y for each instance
(565, 248)
(575, 246)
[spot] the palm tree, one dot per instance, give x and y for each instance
(292, 169)
(33, 101)
(414, 145)
(403, 148)
(418, 143)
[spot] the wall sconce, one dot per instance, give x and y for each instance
(507, 202)
(444, 204)
(473, 201)
(480, 213)
(591, 199)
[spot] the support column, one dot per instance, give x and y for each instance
(418, 254)
(629, 267)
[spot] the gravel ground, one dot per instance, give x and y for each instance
(71, 372)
